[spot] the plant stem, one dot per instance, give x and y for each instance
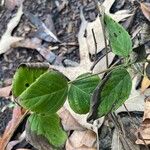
(95, 45)
(104, 71)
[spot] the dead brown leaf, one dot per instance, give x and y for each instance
(19, 139)
(81, 140)
(35, 43)
(7, 39)
(145, 7)
(17, 117)
(144, 130)
(67, 120)
(5, 91)
(145, 84)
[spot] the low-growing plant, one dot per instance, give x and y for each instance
(43, 91)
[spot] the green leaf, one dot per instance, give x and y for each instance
(120, 40)
(115, 91)
(24, 77)
(80, 93)
(49, 127)
(47, 94)
(110, 94)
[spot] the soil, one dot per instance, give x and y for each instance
(66, 22)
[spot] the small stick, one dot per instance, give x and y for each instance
(103, 30)
(95, 44)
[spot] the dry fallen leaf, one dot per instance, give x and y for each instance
(18, 115)
(7, 39)
(5, 91)
(67, 120)
(145, 7)
(43, 31)
(145, 84)
(11, 144)
(144, 130)
(117, 16)
(81, 140)
(35, 43)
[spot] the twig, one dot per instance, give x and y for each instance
(14, 129)
(101, 15)
(91, 75)
(95, 44)
(104, 71)
(69, 44)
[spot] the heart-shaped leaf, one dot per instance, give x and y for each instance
(119, 38)
(49, 127)
(47, 94)
(81, 91)
(25, 76)
(111, 93)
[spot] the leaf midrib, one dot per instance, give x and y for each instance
(81, 90)
(46, 94)
(115, 86)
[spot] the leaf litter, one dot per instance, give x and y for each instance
(145, 7)
(7, 39)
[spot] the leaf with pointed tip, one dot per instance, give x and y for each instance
(111, 93)
(119, 38)
(47, 94)
(81, 91)
(49, 127)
